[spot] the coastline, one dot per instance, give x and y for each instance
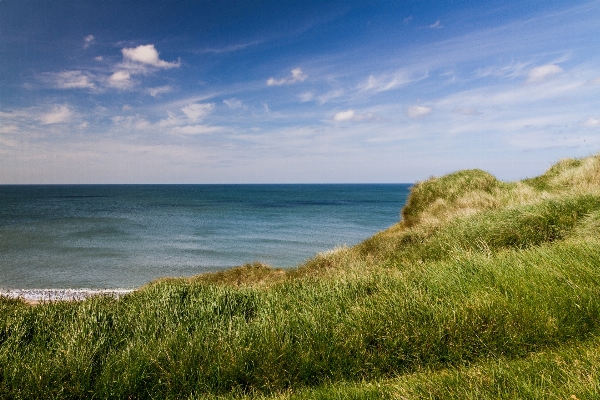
(35, 296)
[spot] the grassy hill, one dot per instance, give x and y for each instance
(485, 289)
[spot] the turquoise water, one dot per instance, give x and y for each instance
(123, 236)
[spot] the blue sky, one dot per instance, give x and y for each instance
(292, 92)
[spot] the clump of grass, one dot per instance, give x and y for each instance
(570, 371)
(421, 302)
(254, 274)
(570, 174)
(437, 195)
(464, 193)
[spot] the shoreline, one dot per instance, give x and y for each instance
(35, 296)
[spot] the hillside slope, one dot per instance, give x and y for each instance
(485, 289)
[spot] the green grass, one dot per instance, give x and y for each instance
(491, 290)
(571, 371)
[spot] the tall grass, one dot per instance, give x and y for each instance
(419, 300)
(571, 371)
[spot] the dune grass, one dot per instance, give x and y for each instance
(571, 371)
(485, 289)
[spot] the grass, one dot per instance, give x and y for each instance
(485, 289)
(567, 372)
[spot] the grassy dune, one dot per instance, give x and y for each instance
(486, 289)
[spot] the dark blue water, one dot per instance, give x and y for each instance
(120, 236)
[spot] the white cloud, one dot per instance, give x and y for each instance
(591, 122)
(195, 129)
(306, 96)
(418, 111)
(408, 19)
(543, 73)
(387, 82)
(99, 58)
(511, 70)
(381, 84)
(595, 81)
(466, 111)
(57, 115)
(8, 142)
(544, 140)
(17, 114)
(198, 111)
(296, 76)
(351, 115)
(233, 103)
(8, 129)
(511, 95)
(120, 80)
(87, 41)
(157, 91)
(170, 121)
(436, 25)
(147, 54)
(344, 115)
(70, 80)
(228, 49)
(333, 94)
(131, 122)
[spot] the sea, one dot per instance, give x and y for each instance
(124, 236)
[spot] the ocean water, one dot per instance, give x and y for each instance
(123, 236)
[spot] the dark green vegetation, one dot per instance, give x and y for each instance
(485, 290)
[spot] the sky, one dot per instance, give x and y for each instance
(294, 91)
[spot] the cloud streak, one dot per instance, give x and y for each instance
(466, 111)
(70, 80)
(157, 91)
(417, 111)
(543, 73)
(87, 41)
(233, 103)
(591, 122)
(385, 82)
(195, 130)
(58, 115)
(351, 115)
(296, 76)
(197, 112)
